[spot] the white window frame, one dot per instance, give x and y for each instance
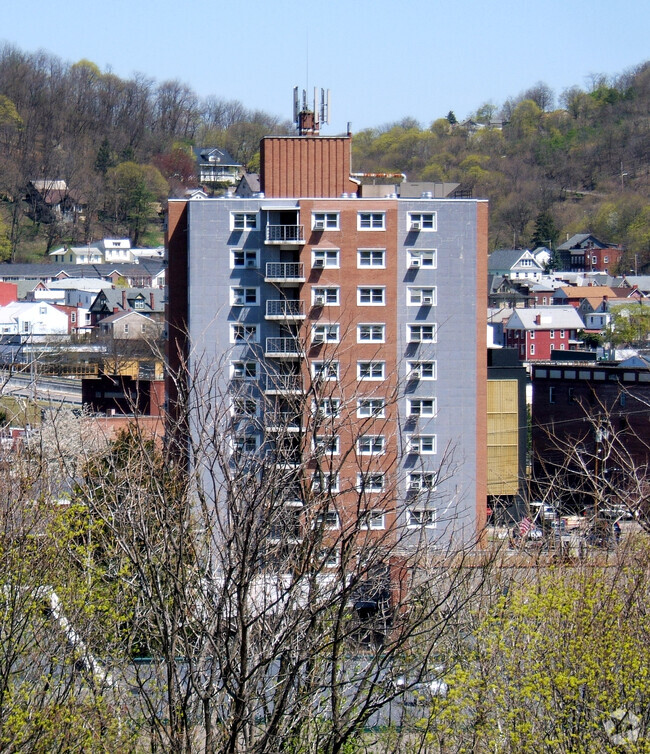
(330, 294)
(426, 370)
(325, 370)
(425, 258)
(244, 259)
(371, 370)
(423, 445)
(327, 408)
(328, 519)
(422, 332)
(371, 481)
(427, 221)
(242, 295)
(329, 557)
(371, 220)
(251, 337)
(417, 296)
(376, 258)
(331, 479)
(325, 220)
(371, 445)
(241, 406)
(246, 444)
(425, 407)
(376, 295)
(422, 518)
(244, 369)
(244, 220)
(368, 408)
(371, 332)
(422, 480)
(330, 258)
(532, 349)
(372, 520)
(328, 444)
(325, 332)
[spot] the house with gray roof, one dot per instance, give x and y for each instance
(216, 165)
(150, 302)
(515, 264)
(537, 332)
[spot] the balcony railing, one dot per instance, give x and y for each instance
(285, 309)
(282, 348)
(284, 383)
(289, 272)
(285, 234)
(284, 421)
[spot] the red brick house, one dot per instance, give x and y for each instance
(537, 332)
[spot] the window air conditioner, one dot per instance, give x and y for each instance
(414, 446)
(427, 300)
(250, 263)
(415, 484)
(415, 262)
(415, 225)
(319, 263)
(238, 301)
(415, 374)
(319, 300)
(319, 225)
(318, 338)
(238, 373)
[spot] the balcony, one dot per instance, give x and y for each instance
(285, 273)
(282, 348)
(285, 235)
(284, 384)
(286, 310)
(284, 421)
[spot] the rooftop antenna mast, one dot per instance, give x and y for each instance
(309, 119)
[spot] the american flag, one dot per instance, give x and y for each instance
(525, 525)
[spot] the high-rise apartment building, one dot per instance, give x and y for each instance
(360, 322)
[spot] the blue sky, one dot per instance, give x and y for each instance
(381, 60)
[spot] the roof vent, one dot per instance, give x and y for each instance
(427, 195)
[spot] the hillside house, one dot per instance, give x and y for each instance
(537, 332)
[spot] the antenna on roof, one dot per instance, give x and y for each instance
(308, 119)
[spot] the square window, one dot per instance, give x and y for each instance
(422, 480)
(325, 333)
(417, 221)
(371, 258)
(371, 445)
(422, 518)
(243, 407)
(327, 444)
(369, 407)
(137, 304)
(371, 220)
(325, 258)
(426, 258)
(244, 258)
(371, 370)
(325, 370)
(325, 220)
(371, 333)
(422, 445)
(421, 370)
(373, 520)
(243, 370)
(421, 296)
(328, 296)
(325, 482)
(371, 482)
(244, 296)
(327, 407)
(243, 220)
(328, 520)
(421, 406)
(243, 333)
(371, 296)
(421, 333)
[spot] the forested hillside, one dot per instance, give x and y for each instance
(548, 172)
(121, 145)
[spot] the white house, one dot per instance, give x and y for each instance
(36, 318)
